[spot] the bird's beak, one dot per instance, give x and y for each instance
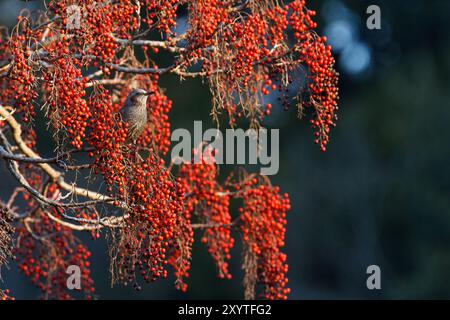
(149, 93)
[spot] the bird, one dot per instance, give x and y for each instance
(134, 113)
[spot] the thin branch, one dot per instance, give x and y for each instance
(210, 225)
(216, 225)
(55, 175)
(151, 43)
(56, 160)
(107, 222)
(15, 171)
(16, 157)
(136, 70)
(110, 82)
(13, 196)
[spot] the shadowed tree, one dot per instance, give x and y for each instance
(76, 63)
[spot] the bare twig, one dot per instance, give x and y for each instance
(151, 43)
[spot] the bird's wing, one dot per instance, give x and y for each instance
(124, 113)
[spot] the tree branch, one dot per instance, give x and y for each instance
(54, 175)
(151, 43)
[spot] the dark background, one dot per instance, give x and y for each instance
(379, 195)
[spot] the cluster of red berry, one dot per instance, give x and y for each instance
(163, 15)
(47, 249)
(317, 56)
(239, 70)
(253, 54)
(210, 203)
(278, 23)
(155, 201)
(18, 88)
(92, 24)
(66, 104)
(107, 134)
(263, 218)
(205, 16)
(181, 253)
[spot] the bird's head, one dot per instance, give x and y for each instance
(138, 96)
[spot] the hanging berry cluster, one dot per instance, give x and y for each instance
(154, 199)
(210, 203)
(91, 25)
(18, 87)
(263, 218)
(47, 249)
(163, 15)
(66, 104)
(107, 134)
(205, 17)
(317, 56)
(155, 223)
(251, 54)
(180, 255)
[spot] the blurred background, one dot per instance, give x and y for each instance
(379, 195)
